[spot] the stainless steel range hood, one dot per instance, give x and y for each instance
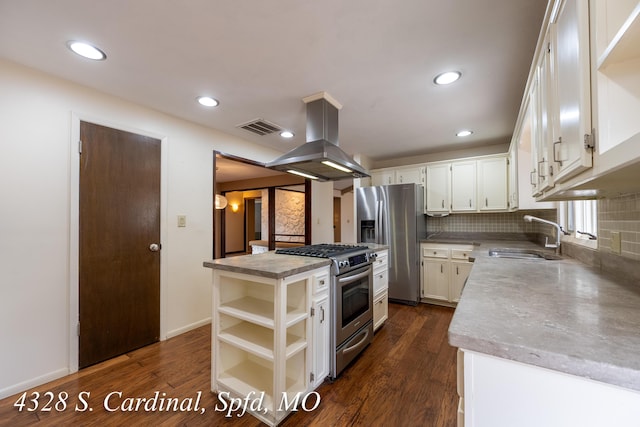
(320, 157)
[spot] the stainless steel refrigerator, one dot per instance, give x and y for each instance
(393, 215)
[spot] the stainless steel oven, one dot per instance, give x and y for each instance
(352, 303)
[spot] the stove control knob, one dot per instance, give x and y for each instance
(343, 263)
(373, 256)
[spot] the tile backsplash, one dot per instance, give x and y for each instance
(620, 214)
(499, 222)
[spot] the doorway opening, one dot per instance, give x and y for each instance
(265, 208)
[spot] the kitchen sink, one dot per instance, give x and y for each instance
(522, 254)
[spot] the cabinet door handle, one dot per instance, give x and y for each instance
(457, 272)
(541, 175)
(486, 202)
(559, 161)
(322, 314)
(443, 204)
(441, 269)
(469, 202)
(531, 175)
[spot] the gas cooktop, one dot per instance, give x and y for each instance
(322, 250)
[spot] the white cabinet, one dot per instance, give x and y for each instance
(463, 186)
(435, 284)
(321, 329)
(571, 79)
(380, 289)
(492, 184)
(401, 175)
(616, 67)
(445, 269)
(476, 184)
(501, 392)
(438, 193)
(512, 177)
(321, 340)
(383, 177)
(410, 175)
(262, 337)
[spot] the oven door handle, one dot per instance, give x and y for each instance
(355, 277)
(357, 345)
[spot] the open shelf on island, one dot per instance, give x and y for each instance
(259, 340)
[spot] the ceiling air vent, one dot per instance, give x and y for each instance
(260, 127)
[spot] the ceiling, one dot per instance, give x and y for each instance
(259, 58)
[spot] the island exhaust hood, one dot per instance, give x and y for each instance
(320, 157)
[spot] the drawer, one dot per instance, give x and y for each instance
(461, 254)
(320, 283)
(380, 280)
(382, 260)
(428, 252)
(380, 310)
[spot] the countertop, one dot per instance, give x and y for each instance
(557, 314)
(268, 264)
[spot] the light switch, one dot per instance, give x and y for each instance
(182, 220)
(616, 244)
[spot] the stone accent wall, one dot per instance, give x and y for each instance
(289, 215)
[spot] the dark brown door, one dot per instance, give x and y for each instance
(337, 227)
(119, 222)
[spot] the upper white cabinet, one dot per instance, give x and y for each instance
(492, 184)
(617, 70)
(583, 96)
(400, 175)
(570, 77)
(463, 186)
(437, 189)
(512, 177)
(475, 184)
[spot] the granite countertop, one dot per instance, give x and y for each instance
(556, 314)
(268, 264)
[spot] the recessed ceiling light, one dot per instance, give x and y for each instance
(286, 134)
(86, 50)
(447, 77)
(464, 133)
(207, 101)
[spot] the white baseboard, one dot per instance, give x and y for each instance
(188, 328)
(34, 382)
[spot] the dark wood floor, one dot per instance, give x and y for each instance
(407, 377)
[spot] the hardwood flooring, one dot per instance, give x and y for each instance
(407, 377)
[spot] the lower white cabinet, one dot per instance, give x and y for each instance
(380, 309)
(380, 289)
(445, 269)
(501, 392)
(320, 332)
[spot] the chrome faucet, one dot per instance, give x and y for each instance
(530, 218)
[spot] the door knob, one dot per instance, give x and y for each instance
(154, 247)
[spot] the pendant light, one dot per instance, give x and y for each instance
(221, 201)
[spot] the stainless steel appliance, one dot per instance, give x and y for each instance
(351, 297)
(393, 215)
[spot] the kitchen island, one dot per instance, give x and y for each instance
(267, 347)
(546, 342)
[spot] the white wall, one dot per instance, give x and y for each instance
(35, 225)
(321, 212)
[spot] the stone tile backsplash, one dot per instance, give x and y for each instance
(620, 214)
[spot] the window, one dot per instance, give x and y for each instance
(580, 218)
